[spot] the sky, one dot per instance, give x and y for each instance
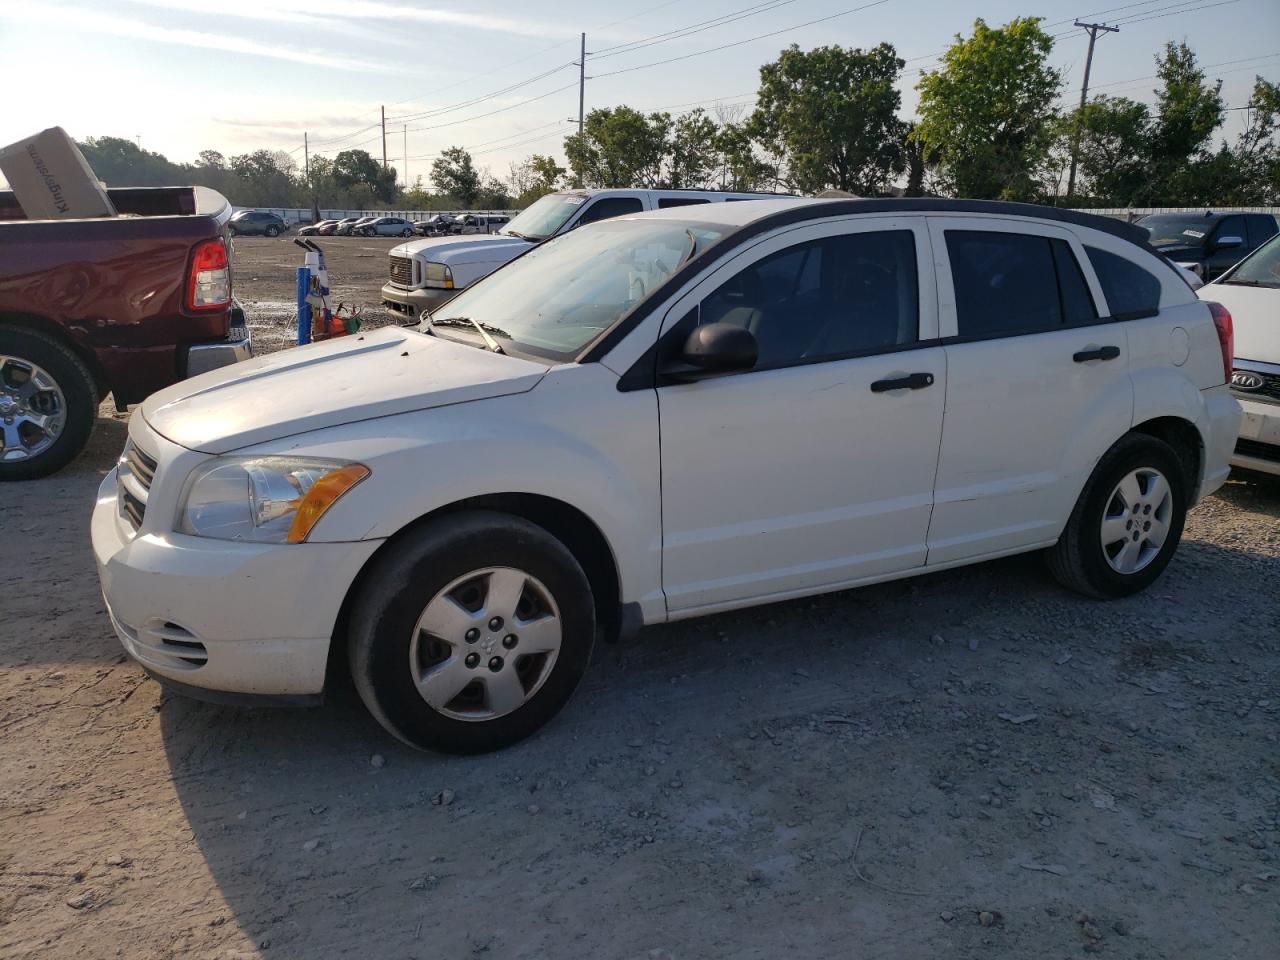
(181, 76)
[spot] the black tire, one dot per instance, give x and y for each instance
(78, 389)
(405, 578)
(273, 231)
(1078, 560)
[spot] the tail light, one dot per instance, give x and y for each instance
(1226, 337)
(209, 285)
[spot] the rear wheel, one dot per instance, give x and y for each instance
(47, 404)
(1127, 523)
(273, 231)
(471, 633)
(406, 232)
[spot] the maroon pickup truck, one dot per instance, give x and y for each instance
(123, 305)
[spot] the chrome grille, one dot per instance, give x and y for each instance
(1269, 392)
(402, 271)
(136, 472)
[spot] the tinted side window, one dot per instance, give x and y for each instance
(1004, 283)
(664, 202)
(824, 299)
(1261, 228)
(1077, 302)
(1130, 290)
(607, 207)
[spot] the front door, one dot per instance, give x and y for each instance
(814, 469)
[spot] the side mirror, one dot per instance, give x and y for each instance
(1226, 243)
(714, 349)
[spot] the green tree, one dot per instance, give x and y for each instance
(988, 112)
(549, 174)
(266, 179)
(693, 151)
(741, 166)
(453, 174)
(122, 163)
(358, 173)
(831, 113)
(619, 147)
(1188, 110)
(1114, 157)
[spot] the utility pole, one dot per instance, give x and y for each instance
(384, 138)
(306, 157)
(1094, 29)
(406, 157)
(582, 82)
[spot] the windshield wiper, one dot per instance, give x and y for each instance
(486, 330)
(1246, 283)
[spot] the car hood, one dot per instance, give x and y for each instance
(1255, 318)
(1175, 250)
(477, 248)
(378, 374)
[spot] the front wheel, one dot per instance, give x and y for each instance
(273, 231)
(471, 633)
(406, 232)
(1127, 523)
(47, 404)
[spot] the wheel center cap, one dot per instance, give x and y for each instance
(8, 405)
(489, 645)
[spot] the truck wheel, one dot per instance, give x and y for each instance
(1127, 523)
(273, 231)
(47, 404)
(471, 633)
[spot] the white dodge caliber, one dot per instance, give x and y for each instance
(655, 417)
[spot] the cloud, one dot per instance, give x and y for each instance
(84, 18)
(338, 13)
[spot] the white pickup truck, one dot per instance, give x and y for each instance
(426, 273)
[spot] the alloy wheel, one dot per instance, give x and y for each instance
(1135, 523)
(33, 409)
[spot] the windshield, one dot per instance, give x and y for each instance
(554, 300)
(543, 217)
(1184, 229)
(1260, 270)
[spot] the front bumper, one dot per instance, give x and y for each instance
(409, 304)
(1258, 447)
(233, 617)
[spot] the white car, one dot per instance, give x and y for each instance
(657, 417)
(427, 273)
(1251, 291)
(385, 227)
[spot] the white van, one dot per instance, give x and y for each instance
(426, 273)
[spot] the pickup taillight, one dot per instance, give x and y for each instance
(209, 283)
(1226, 337)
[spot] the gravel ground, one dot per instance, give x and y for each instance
(974, 764)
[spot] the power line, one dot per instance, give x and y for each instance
(1207, 66)
(480, 116)
(738, 43)
(691, 29)
(439, 111)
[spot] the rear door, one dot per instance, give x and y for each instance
(1035, 381)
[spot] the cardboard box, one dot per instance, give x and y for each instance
(51, 179)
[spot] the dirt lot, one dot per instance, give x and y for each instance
(264, 281)
(974, 764)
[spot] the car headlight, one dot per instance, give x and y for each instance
(264, 499)
(437, 275)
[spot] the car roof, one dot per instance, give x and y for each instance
(771, 212)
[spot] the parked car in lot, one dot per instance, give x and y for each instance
(426, 273)
(1208, 243)
(255, 223)
(386, 227)
(317, 229)
(656, 417)
(435, 226)
(344, 226)
(121, 306)
(469, 223)
(1251, 291)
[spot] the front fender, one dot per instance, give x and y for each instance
(574, 438)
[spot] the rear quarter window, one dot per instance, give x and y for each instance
(1131, 291)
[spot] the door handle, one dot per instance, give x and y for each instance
(1097, 353)
(912, 381)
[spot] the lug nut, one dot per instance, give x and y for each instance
(473, 659)
(495, 664)
(509, 640)
(472, 635)
(495, 623)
